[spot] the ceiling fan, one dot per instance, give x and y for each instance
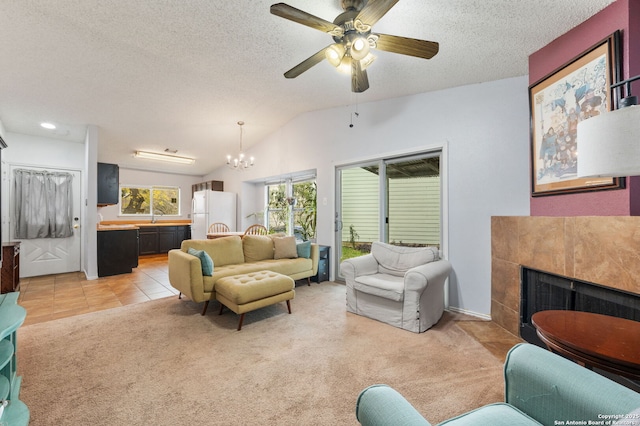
(351, 32)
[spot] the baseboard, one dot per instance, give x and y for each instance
(470, 313)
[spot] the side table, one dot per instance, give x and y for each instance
(12, 316)
(593, 340)
(323, 265)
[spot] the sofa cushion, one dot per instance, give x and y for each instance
(285, 248)
(205, 260)
(223, 251)
(257, 247)
(396, 260)
(382, 285)
(304, 249)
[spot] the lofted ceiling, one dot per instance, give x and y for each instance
(180, 74)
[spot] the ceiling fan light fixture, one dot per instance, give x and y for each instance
(345, 65)
(367, 60)
(359, 48)
(335, 53)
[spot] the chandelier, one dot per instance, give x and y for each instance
(240, 162)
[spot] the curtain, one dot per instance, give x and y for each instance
(43, 205)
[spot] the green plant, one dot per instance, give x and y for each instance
(353, 236)
(278, 209)
(306, 206)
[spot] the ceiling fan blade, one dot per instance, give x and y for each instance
(374, 10)
(306, 64)
(301, 17)
(407, 46)
(359, 79)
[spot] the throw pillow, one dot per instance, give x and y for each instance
(304, 249)
(205, 260)
(257, 248)
(285, 248)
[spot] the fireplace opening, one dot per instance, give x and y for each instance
(542, 291)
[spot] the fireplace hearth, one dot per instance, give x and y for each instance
(542, 291)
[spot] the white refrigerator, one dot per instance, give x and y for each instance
(210, 207)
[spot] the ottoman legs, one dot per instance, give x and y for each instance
(242, 314)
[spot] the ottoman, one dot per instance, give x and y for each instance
(247, 292)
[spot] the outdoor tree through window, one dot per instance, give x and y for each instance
(291, 208)
(152, 200)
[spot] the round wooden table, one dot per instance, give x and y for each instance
(593, 340)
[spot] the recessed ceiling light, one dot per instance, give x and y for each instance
(49, 126)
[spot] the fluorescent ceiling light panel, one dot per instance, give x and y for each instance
(49, 126)
(164, 157)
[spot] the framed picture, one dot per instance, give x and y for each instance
(575, 92)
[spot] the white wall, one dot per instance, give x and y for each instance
(486, 130)
(90, 195)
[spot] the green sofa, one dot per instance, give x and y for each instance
(541, 388)
(234, 256)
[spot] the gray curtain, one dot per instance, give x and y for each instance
(43, 205)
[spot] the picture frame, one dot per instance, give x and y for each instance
(576, 91)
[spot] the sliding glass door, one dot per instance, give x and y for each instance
(358, 217)
(394, 200)
(413, 201)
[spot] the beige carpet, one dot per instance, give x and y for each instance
(162, 363)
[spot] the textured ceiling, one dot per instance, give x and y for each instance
(179, 74)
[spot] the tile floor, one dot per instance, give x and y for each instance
(57, 296)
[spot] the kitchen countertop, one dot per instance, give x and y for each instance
(124, 225)
(112, 227)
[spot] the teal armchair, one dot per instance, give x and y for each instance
(541, 388)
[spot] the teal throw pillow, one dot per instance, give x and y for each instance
(205, 260)
(304, 249)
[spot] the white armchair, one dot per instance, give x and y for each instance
(400, 286)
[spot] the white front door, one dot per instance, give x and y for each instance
(45, 256)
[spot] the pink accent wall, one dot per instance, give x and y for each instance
(622, 15)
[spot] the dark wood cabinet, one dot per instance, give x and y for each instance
(117, 252)
(161, 239)
(108, 184)
(148, 240)
(167, 238)
(213, 185)
(323, 265)
(10, 278)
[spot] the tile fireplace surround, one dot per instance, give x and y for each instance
(601, 249)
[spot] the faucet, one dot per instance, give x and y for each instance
(153, 216)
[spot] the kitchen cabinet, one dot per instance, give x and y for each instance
(161, 239)
(10, 277)
(213, 185)
(108, 184)
(117, 252)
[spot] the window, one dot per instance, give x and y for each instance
(291, 207)
(150, 200)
